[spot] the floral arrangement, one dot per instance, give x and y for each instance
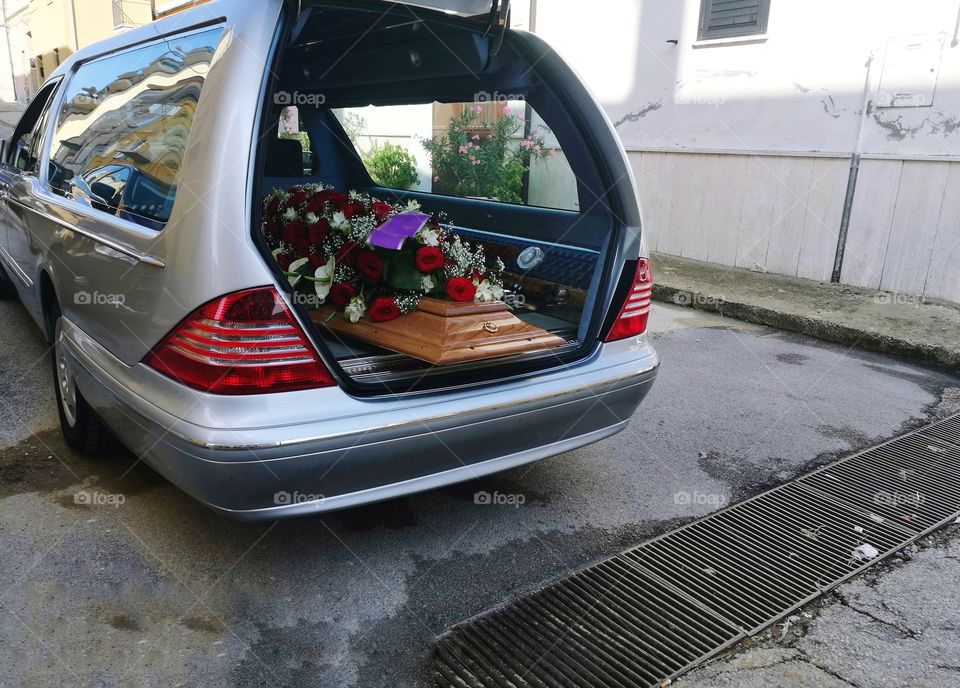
(320, 238)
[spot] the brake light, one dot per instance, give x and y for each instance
(632, 318)
(243, 343)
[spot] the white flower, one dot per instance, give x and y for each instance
(323, 279)
(310, 219)
(290, 215)
(355, 309)
(412, 206)
(294, 267)
(340, 222)
(355, 195)
(277, 252)
(428, 284)
(428, 237)
(488, 291)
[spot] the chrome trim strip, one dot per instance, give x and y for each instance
(119, 248)
(17, 270)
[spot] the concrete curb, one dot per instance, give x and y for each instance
(820, 328)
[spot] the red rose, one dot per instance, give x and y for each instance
(348, 253)
(273, 229)
(315, 205)
(302, 248)
(295, 233)
(318, 231)
(329, 195)
(461, 289)
(296, 198)
(370, 266)
(352, 208)
(381, 210)
(383, 308)
(429, 258)
(284, 260)
(273, 207)
(340, 294)
(317, 261)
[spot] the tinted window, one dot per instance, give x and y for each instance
(123, 127)
(495, 148)
(28, 141)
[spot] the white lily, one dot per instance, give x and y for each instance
(323, 279)
(310, 219)
(340, 222)
(290, 214)
(294, 267)
(355, 309)
(428, 237)
(428, 283)
(488, 291)
(413, 206)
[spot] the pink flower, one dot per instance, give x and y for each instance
(473, 158)
(552, 153)
(436, 179)
(476, 162)
(537, 149)
(476, 137)
(478, 109)
(464, 149)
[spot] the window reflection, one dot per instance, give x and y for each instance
(122, 133)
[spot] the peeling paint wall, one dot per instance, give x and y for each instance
(798, 90)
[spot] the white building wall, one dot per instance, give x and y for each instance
(741, 149)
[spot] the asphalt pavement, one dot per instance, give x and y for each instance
(111, 577)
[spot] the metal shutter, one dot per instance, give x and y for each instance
(721, 18)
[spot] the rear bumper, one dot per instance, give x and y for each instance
(257, 458)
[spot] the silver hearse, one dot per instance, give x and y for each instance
(132, 192)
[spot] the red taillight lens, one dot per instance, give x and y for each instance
(632, 318)
(242, 343)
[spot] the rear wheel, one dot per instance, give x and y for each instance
(80, 426)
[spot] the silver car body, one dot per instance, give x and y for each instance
(270, 455)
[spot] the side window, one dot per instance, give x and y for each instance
(27, 142)
(496, 149)
(124, 125)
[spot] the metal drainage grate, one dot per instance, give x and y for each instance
(655, 611)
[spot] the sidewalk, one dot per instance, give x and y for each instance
(897, 324)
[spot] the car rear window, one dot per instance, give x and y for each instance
(124, 124)
(495, 148)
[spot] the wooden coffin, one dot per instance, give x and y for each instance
(445, 332)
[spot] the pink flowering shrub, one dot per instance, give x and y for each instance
(485, 159)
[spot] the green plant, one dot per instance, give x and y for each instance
(353, 124)
(392, 166)
(485, 159)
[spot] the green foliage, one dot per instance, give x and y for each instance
(353, 124)
(484, 159)
(392, 166)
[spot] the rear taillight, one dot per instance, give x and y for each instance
(632, 318)
(242, 343)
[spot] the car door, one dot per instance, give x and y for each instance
(19, 178)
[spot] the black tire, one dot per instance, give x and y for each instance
(81, 427)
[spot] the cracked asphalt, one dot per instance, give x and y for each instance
(144, 587)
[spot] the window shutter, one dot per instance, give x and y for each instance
(722, 18)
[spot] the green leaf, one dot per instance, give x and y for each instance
(401, 270)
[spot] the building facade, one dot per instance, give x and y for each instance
(742, 119)
(37, 35)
